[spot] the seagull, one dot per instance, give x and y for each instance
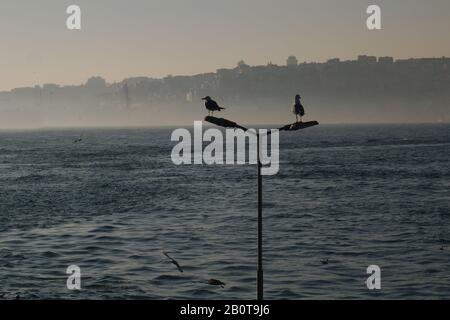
(211, 105)
(298, 109)
(325, 261)
(173, 261)
(215, 282)
(78, 139)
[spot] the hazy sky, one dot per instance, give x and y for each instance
(155, 38)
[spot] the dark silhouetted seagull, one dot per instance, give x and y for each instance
(78, 139)
(298, 109)
(215, 282)
(211, 105)
(173, 261)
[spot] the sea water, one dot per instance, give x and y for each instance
(352, 195)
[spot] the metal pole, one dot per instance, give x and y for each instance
(260, 267)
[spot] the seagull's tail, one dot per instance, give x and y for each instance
(221, 108)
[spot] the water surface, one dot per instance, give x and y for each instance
(356, 195)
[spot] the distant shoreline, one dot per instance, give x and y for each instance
(268, 126)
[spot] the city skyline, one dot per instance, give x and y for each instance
(158, 38)
(369, 89)
(358, 58)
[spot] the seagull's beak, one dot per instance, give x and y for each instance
(204, 98)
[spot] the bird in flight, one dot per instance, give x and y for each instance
(79, 139)
(215, 282)
(173, 261)
(211, 105)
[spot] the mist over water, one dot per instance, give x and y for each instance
(369, 89)
(356, 195)
(91, 92)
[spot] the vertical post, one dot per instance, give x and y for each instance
(260, 280)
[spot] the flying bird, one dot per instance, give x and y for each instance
(78, 139)
(173, 261)
(211, 105)
(215, 282)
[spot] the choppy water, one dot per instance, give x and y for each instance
(357, 195)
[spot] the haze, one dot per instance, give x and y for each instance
(154, 38)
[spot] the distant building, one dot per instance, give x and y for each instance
(96, 83)
(446, 63)
(50, 87)
(221, 73)
(367, 59)
(333, 61)
(126, 92)
(189, 96)
(292, 61)
(242, 65)
(386, 60)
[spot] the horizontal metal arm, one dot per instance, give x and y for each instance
(298, 125)
(221, 122)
